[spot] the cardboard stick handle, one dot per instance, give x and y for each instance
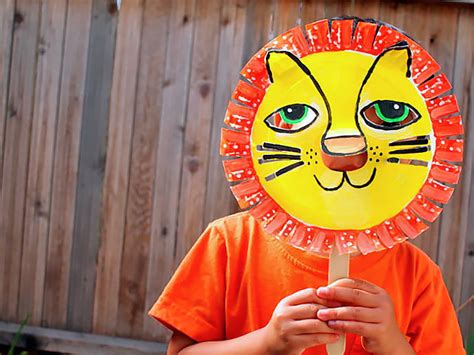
(338, 269)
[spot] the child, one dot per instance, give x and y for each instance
(242, 291)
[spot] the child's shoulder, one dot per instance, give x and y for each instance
(239, 230)
(416, 261)
(407, 250)
(236, 218)
(240, 223)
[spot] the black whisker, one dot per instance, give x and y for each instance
(278, 147)
(407, 161)
(411, 140)
(267, 158)
(283, 170)
(410, 150)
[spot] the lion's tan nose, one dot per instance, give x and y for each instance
(344, 153)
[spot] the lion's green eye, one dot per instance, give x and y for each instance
(391, 112)
(389, 115)
(291, 118)
(294, 113)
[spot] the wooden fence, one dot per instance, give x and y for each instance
(109, 131)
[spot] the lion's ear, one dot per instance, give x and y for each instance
(397, 57)
(281, 63)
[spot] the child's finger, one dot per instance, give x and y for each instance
(309, 340)
(308, 295)
(359, 284)
(348, 295)
(358, 328)
(310, 326)
(304, 311)
(360, 314)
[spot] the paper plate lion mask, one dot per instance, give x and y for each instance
(343, 136)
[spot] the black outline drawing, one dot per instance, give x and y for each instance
(268, 158)
(305, 70)
(411, 150)
(282, 130)
(284, 170)
(418, 140)
(389, 127)
(345, 177)
(402, 45)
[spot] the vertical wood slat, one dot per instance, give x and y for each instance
(38, 189)
(16, 148)
(219, 199)
(362, 8)
(7, 14)
(334, 8)
(443, 46)
(287, 15)
(86, 233)
(198, 126)
(66, 158)
(122, 110)
(132, 309)
(392, 12)
(253, 28)
(258, 27)
(312, 11)
(170, 150)
(463, 282)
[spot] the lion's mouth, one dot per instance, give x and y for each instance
(345, 178)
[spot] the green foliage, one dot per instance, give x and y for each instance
(17, 336)
(470, 341)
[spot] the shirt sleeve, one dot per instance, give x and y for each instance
(434, 328)
(193, 301)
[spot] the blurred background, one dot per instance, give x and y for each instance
(109, 165)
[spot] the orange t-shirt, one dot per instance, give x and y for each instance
(234, 276)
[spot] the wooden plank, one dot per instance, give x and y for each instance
(122, 109)
(66, 160)
(219, 199)
(77, 343)
(362, 8)
(312, 11)
(287, 14)
(198, 127)
(91, 167)
(460, 255)
(334, 8)
(6, 40)
(392, 12)
(38, 189)
(7, 14)
(132, 308)
(250, 28)
(170, 149)
(258, 27)
(16, 149)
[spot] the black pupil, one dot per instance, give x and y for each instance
(391, 109)
(294, 112)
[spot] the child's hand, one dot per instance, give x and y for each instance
(368, 312)
(294, 326)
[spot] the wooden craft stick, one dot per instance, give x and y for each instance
(338, 269)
